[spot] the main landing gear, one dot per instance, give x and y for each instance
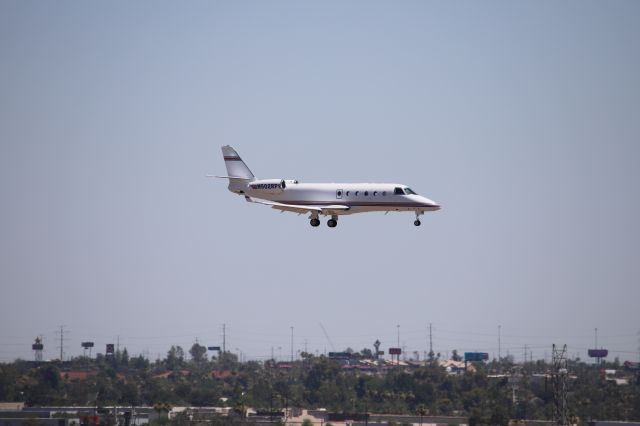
(331, 223)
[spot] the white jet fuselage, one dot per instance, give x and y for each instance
(358, 197)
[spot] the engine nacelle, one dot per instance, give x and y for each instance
(268, 186)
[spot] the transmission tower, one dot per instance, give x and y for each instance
(62, 332)
(559, 379)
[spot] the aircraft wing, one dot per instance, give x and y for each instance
(322, 209)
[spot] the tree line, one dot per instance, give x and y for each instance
(522, 391)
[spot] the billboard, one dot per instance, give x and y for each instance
(598, 353)
(395, 351)
(476, 356)
(346, 355)
(110, 349)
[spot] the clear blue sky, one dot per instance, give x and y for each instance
(521, 118)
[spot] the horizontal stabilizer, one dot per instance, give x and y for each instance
(229, 177)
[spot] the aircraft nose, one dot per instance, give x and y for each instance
(431, 203)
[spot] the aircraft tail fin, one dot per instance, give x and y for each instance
(237, 171)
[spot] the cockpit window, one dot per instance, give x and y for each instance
(409, 191)
(398, 191)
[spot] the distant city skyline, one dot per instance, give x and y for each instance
(317, 344)
(521, 119)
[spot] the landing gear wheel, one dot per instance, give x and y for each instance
(417, 222)
(332, 223)
(315, 222)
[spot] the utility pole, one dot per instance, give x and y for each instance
(499, 345)
(292, 344)
(430, 342)
(61, 347)
(224, 338)
(596, 346)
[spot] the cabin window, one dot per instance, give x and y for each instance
(347, 193)
(366, 193)
(409, 191)
(375, 193)
(398, 191)
(357, 193)
(384, 193)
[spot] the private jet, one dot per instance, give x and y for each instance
(326, 199)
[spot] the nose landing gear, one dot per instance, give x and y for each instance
(417, 221)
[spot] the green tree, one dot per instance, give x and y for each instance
(198, 353)
(8, 383)
(124, 358)
(175, 358)
(366, 353)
